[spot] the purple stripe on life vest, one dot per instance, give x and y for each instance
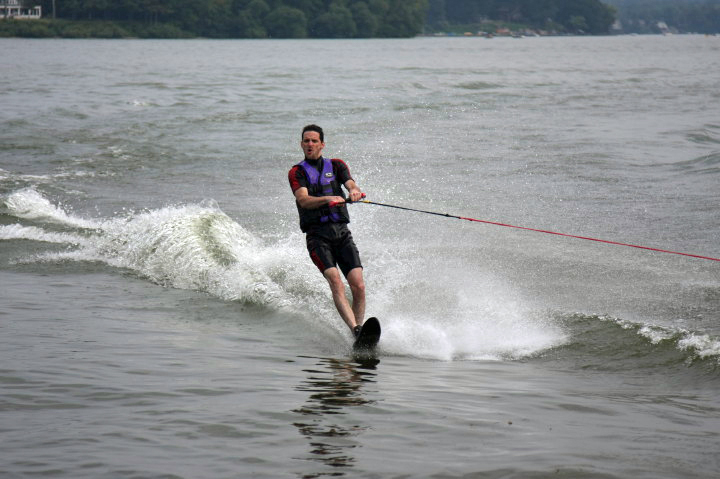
(324, 181)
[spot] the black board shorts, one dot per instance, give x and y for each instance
(332, 245)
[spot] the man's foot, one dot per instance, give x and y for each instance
(356, 330)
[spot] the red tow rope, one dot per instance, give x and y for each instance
(537, 230)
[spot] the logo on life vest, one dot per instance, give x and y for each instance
(328, 175)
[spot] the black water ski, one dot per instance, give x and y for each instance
(369, 335)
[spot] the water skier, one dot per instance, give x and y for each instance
(316, 183)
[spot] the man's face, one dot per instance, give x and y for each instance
(311, 145)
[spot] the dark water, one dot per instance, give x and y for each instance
(160, 318)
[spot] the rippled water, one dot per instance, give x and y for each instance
(160, 317)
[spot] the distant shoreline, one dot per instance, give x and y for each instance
(99, 29)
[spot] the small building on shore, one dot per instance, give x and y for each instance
(15, 9)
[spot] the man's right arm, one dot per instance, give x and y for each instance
(297, 183)
(313, 202)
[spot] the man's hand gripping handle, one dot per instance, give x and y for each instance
(335, 203)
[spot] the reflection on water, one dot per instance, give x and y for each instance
(334, 386)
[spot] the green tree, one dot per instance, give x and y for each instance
(405, 18)
(365, 21)
(157, 10)
(436, 15)
(578, 24)
(539, 12)
(337, 22)
(244, 25)
(379, 8)
(598, 17)
(216, 19)
(258, 9)
(238, 18)
(311, 8)
(96, 9)
(286, 22)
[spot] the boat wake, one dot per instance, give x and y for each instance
(195, 247)
(452, 316)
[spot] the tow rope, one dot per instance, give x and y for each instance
(534, 229)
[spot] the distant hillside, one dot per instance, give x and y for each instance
(226, 18)
(667, 16)
(561, 16)
(645, 3)
(359, 18)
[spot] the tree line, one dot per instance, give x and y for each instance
(355, 18)
(647, 16)
(303, 18)
(249, 18)
(566, 16)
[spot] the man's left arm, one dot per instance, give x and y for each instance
(354, 190)
(343, 172)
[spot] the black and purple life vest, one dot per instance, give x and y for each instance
(322, 183)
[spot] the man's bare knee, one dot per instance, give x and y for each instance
(358, 289)
(333, 278)
(356, 281)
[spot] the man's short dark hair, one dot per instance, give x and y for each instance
(316, 129)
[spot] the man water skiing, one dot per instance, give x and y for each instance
(316, 183)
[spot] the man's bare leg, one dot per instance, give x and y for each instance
(332, 275)
(357, 286)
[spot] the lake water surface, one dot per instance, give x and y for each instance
(160, 317)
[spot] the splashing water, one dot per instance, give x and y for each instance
(198, 247)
